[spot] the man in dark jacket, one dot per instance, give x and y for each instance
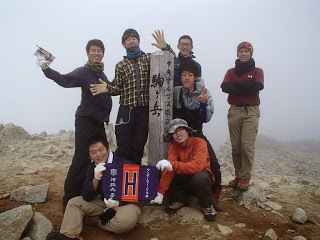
(119, 217)
(91, 114)
(185, 46)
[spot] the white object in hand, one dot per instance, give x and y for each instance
(98, 170)
(158, 199)
(43, 62)
(110, 203)
(162, 164)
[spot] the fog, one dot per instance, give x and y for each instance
(284, 35)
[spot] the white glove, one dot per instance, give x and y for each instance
(162, 164)
(98, 170)
(110, 203)
(158, 199)
(43, 62)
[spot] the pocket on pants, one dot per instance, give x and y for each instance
(254, 110)
(123, 115)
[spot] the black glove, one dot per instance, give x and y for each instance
(107, 215)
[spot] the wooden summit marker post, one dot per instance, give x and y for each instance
(160, 105)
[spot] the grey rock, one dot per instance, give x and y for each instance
(271, 196)
(26, 238)
(277, 213)
(31, 194)
(61, 132)
(260, 205)
(51, 149)
(240, 225)
(43, 134)
(205, 227)
(268, 209)
(317, 192)
(188, 214)
(111, 137)
(1, 126)
(224, 229)
(273, 205)
(287, 190)
(12, 133)
(14, 222)
(299, 238)
(252, 196)
(299, 216)
(40, 227)
(270, 235)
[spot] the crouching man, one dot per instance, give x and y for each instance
(92, 207)
(187, 171)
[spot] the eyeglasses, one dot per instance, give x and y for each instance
(185, 44)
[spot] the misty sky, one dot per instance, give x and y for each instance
(285, 36)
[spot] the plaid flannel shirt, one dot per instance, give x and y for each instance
(125, 83)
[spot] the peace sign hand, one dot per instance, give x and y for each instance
(203, 96)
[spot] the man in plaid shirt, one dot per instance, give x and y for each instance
(132, 82)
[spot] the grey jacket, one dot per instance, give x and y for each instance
(190, 99)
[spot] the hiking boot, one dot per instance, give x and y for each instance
(173, 207)
(234, 183)
(91, 221)
(209, 213)
(216, 199)
(59, 236)
(243, 184)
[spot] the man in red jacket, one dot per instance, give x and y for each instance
(187, 171)
(243, 83)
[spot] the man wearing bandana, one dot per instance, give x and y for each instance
(243, 84)
(91, 114)
(132, 82)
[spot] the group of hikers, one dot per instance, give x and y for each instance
(191, 168)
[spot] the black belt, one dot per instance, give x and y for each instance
(242, 105)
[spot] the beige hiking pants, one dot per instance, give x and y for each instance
(243, 128)
(124, 221)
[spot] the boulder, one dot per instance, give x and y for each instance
(14, 222)
(273, 205)
(270, 235)
(39, 228)
(252, 196)
(12, 133)
(224, 229)
(31, 194)
(299, 238)
(299, 216)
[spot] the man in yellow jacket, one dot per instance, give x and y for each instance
(187, 171)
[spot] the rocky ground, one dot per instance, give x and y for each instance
(287, 172)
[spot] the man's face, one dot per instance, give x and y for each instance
(187, 79)
(244, 55)
(98, 153)
(180, 135)
(130, 42)
(185, 46)
(95, 54)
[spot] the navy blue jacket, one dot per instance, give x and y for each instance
(97, 107)
(88, 192)
(177, 61)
